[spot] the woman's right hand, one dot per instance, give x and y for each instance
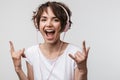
(16, 56)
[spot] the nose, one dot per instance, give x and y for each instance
(48, 23)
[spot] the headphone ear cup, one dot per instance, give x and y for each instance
(67, 27)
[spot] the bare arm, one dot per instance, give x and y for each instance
(81, 74)
(21, 75)
(30, 71)
(81, 60)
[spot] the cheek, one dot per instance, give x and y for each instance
(41, 26)
(41, 29)
(58, 27)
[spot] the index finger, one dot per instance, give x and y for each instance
(11, 46)
(84, 47)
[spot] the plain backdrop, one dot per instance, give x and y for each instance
(95, 21)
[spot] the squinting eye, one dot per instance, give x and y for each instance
(43, 20)
(56, 20)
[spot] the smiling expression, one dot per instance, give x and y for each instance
(50, 26)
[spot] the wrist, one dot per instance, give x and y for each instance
(18, 69)
(81, 74)
(82, 66)
(82, 69)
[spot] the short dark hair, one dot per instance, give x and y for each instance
(57, 10)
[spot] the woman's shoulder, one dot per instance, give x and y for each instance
(31, 51)
(73, 48)
(32, 48)
(71, 45)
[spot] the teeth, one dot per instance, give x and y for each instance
(49, 31)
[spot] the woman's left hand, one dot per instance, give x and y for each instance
(81, 57)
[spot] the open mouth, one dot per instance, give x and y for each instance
(49, 32)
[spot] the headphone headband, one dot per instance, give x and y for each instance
(67, 26)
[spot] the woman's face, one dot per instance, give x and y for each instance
(50, 26)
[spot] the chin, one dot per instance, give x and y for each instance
(50, 41)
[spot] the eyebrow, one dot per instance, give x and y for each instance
(43, 17)
(46, 17)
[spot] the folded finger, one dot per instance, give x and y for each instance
(72, 56)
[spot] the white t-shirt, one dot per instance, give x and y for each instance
(60, 69)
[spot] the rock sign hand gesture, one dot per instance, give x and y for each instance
(81, 57)
(16, 56)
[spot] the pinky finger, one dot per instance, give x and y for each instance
(88, 50)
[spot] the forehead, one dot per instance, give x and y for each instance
(48, 12)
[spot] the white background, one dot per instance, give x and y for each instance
(96, 21)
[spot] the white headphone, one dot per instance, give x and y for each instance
(67, 26)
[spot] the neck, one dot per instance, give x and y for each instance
(53, 47)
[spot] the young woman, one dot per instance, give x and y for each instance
(53, 59)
